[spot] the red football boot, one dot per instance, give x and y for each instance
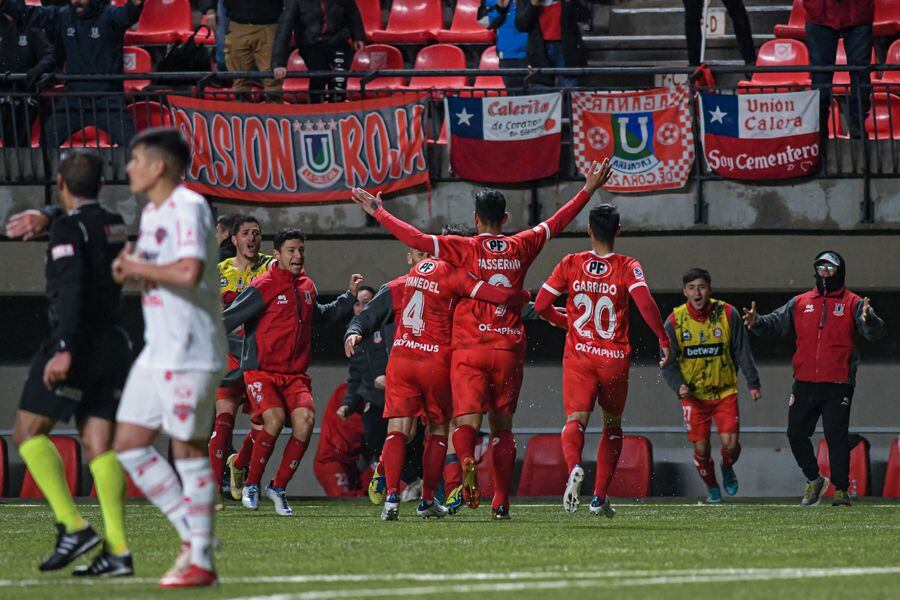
(193, 576)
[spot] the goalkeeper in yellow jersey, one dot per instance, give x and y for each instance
(709, 343)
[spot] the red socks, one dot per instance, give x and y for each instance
(707, 469)
(464, 442)
(607, 458)
(729, 458)
(218, 445)
(504, 449)
(452, 472)
(572, 443)
(393, 455)
(243, 458)
(432, 464)
(262, 450)
(290, 460)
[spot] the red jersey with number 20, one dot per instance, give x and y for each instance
(598, 289)
(423, 325)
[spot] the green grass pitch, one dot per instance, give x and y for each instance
(656, 549)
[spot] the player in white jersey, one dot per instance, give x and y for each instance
(172, 385)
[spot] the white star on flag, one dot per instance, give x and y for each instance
(717, 116)
(464, 117)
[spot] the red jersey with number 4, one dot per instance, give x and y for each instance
(430, 294)
(500, 260)
(598, 289)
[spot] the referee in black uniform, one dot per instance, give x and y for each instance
(80, 369)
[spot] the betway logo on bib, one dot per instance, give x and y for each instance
(703, 351)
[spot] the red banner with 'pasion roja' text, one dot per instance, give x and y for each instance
(303, 153)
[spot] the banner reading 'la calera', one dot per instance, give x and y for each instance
(303, 153)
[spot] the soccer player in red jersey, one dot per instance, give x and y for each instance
(488, 341)
(597, 353)
(278, 310)
(341, 443)
(419, 370)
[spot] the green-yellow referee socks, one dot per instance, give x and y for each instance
(46, 466)
(109, 479)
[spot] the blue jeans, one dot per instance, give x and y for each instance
(555, 54)
(221, 31)
(823, 42)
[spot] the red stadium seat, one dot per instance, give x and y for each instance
(859, 468)
(149, 114)
(137, 60)
(544, 469)
(777, 53)
(296, 88)
(412, 22)
(35, 137)
(162, 22)
(892, 77)
(4, 468)
(204, 37)
(370, 11)
(796, 25)
(634, 473)
(892, 477)
(70, 452)
(489, 60)
(89, 137)
(883, 122)
(465, 28)
(887, 18)
(835, 122)
(439, 56)
(374, 57)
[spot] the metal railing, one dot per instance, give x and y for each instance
(35, 128)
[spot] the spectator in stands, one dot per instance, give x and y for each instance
(693, 14)
(224, 223)
(500, 15)
(828, 21)
(324, 31)
(90, 35)
(554, 35)
(251, 32)
(365, 382)
(217, 20)
(23, 49)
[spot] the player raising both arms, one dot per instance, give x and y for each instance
(278, 310)
(597, 355)
(488, 341)
(418, 371)
(172, 385)
(235, 273)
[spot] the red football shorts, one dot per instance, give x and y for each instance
(276, 390)
(417, 386)
(234, 392)
(486, 380)
(699, 414)
(586, 384)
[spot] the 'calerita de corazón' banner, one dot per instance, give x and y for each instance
(646, 135)
(303, 153)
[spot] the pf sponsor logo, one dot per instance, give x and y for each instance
(426, 267)
(596, 268)
(496, 245)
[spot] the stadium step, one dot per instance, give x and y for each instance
(669, 20)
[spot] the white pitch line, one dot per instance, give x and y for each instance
(686, 577)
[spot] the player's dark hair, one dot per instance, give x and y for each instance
(604, 223)
(227, 220)
(169, 142)
(82, 172)
(365, 288)
(490, 206)
(288, 233)
(696, 273)
(240, 220)
(455, 229)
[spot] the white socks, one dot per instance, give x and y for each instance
(199, 495)
(159, 483)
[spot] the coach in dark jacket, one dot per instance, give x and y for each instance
(90, 36)
(826, 321)
(324, 31)
(23, 49)
(554, 35)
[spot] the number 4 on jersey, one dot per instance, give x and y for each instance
(412, 313)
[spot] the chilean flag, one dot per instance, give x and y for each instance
(504, 139)
(761, 136)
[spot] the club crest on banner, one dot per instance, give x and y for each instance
(320, 169)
